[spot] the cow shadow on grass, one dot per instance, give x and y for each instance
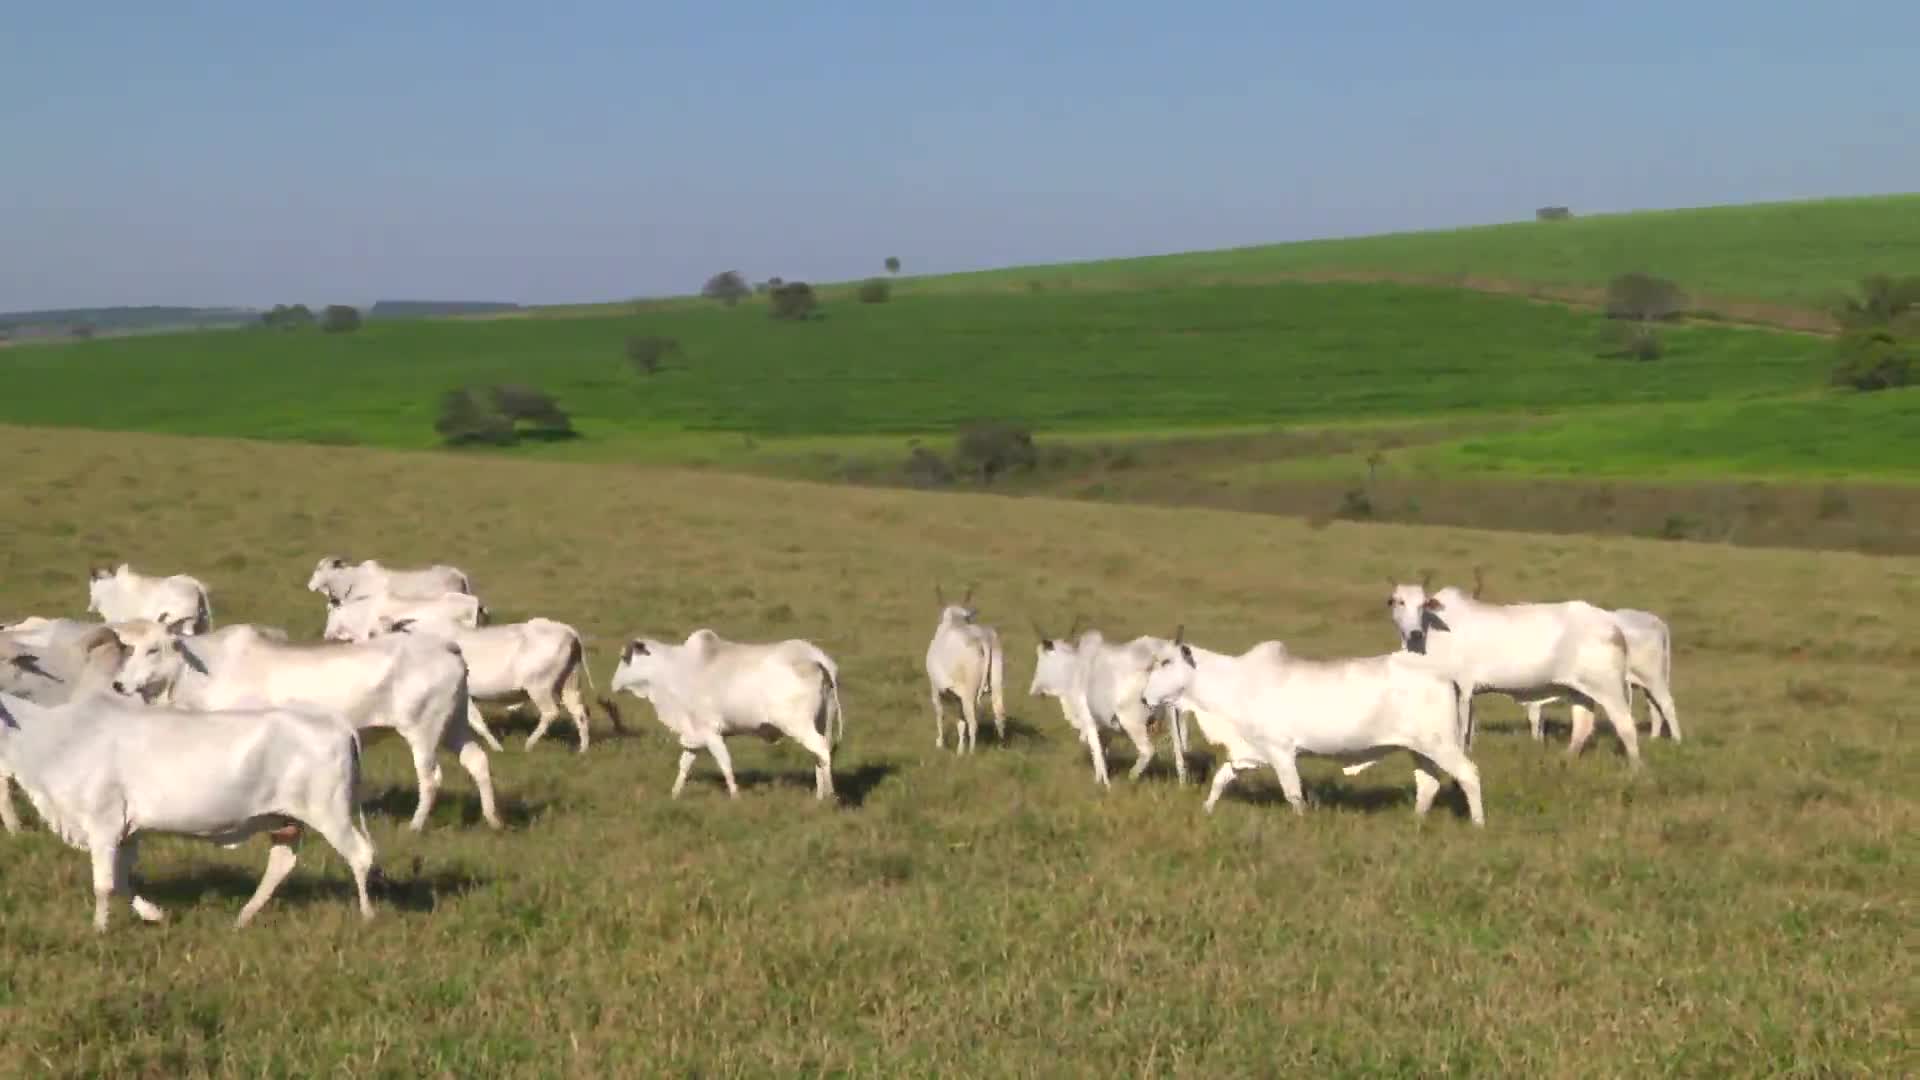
(313, 882)
(1341, 793)
(850, 786)
(398, 802)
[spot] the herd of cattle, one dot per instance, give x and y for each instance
(151, 720)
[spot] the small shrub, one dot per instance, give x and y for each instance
(81, 331)
(1552, 213)
(876, 291)
(728, 287)
(1634, 341)
(1834, 503)
(1875, 360)
(532, 406)
(1678, 527)
(340, 319)
(467, 417)
(1036, 286)
(1355, 504)
(1883, 301)
(893, 264)
(993, 449)
(1644, 297)
(793, 300)
(283, 317)
(928, 469)
(648, 352)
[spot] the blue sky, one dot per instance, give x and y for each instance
(226, 153)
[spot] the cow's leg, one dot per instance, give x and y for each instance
(105, 850)
(1221, 778)
(1426, 784)
(1613, 701)
(1178, 723)
(996, 674)
(717, 746)
(1454, 762)
(147, 910)
(939, 719)
(1092, 737)
(576, 707)
(426, 773)
(1582, 712)
(816, 744)
(686, 767)
(549, 709)
(969, 723)
(9, 818)
(1661, 699)
(1287, 768)
(280, 860)
(1136, 729)
(1534, 723)
(474, 760)
(478, 725)
(349, 837)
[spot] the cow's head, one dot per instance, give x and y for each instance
(101, 582)
(1170, 672)
(642, 661)
(955, 614)
(150, 662)
(329, 577)
(1415, 613)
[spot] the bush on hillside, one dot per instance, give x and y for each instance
(793, 300)
(1552, 213)
(1644, 297)
(928, 469)
(728, 287)
(993, 449)
(81, 331)
(283, 317)
(1883, 301)
(1875, 360)
(340, 319)
(648, 353)
(893, 264)
(500, 415)
(876, 291)
(1634, 341)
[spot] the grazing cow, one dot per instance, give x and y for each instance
(121, 594)
(538, 660)
(964, 660)
(357, 618)
(102, 771)
(1280, 706)
(415, 685)
(1098, 686)
(338, 579)
(708, 688)
(1524, 651)
(1649, 669)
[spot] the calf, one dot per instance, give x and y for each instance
(1279, 706)
(708, 688)
(1525, 651)
(416, 686)
(103, 771)
(1098, 686)
(537, 660)
(178, 602)
(964, 660)
(338, 579)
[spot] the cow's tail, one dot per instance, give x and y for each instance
(996, 676)
(354, 781)
(833, 720)
(203, 619)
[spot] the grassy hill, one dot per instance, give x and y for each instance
(1741, 904)
(1768, 262)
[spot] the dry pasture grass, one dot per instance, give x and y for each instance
(1746, 906)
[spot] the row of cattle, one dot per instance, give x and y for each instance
(151, 720)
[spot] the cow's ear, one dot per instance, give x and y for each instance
(641, 648)
(1186, 653)
(96, 573)
(1433, 604)
(177, 627)
(1046, 645)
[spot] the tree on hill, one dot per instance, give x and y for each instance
(283, 317)
(648, 353)
(991, 449)
(500, 415)
(1644, 297)
(893, 264)
(728, 287)
(340, 319)
(876, 291)
(793, 300)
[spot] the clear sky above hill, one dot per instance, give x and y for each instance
(228, 153)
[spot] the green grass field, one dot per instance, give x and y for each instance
(1743, 907)
(1795, 255)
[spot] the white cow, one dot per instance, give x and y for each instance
(102, 771)
(338, 579)
(178, 602)
(415, 685)
(1281, 706)
(50, 673)
(1525, 651)
(538, 661)
(964, 660)
(1098, 686)
(356, 619)
(708, 688)
(1649, 669)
